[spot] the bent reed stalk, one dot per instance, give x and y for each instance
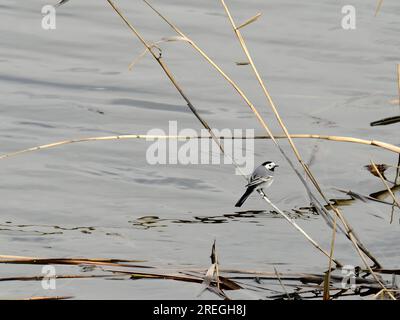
(379, 144)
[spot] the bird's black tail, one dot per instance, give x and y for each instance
(244, 197)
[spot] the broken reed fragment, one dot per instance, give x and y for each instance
(251, 20)
(385, 121)
(380, 169)
(395, 201)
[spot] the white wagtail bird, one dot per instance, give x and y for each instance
(262, 177)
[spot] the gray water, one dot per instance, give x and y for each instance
(89, 199)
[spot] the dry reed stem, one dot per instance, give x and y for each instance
(328, 274)
(48, 298)
(375, 143)
(281, 283)
(251, 20)
(294, 224)
(381, 294)
(67, 276)
(378, 7)
(225, 285)
(350, 234)
(6, 259)
(398, 81)
(255, 273)
(398, 87)
(214, 260)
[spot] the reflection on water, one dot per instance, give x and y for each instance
(251, 216)
(148, 222)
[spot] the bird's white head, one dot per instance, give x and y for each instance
(270, 165)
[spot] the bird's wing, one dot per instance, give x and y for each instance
(257, 180)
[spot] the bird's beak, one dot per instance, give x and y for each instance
(276, 166)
